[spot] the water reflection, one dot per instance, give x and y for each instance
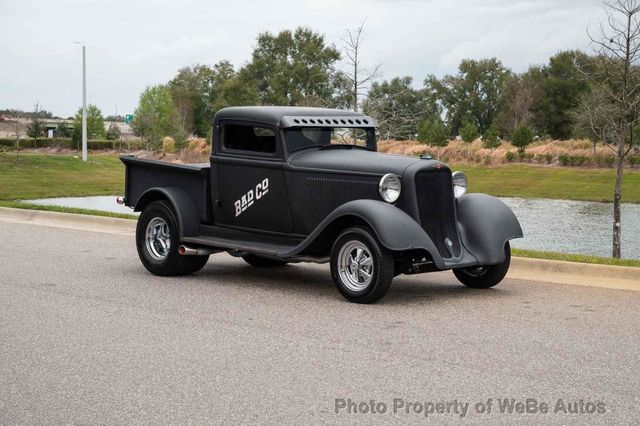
(575, 226)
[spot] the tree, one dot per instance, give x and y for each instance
(358, 78)
(196, 92)
(469, 132)
(398, 107)
(491, 138)
(521, 93)
(113, 132)
(156, 116)
(63, 131)
(95, 124)
(562, 86)
(292, 68)
(36, 127)
(522, 137)
(614, 108)
(473, 95)
(433, 132)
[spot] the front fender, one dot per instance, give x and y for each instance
(395, 229)
(486, 224)
(186, 211)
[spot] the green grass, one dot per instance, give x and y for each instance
(575, 257)
(74, 210)
(46, 176)
(564, 183)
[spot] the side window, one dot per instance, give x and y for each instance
(249, 138)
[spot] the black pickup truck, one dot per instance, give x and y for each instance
(288, 184)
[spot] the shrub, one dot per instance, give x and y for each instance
(469, 132)
(522, 137)
(433, 132)
(491, 138)
(633, 161)
(564, 159)
(510, 157)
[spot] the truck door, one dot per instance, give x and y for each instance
(250, 185)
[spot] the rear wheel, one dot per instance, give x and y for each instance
(485, 276)
(361, 268)
(157, 243)
(262, 262)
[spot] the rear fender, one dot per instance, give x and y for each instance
(184, 207)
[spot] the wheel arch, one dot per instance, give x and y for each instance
(392, 227)
(183, 207)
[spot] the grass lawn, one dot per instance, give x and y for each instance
(46, 176)
(564, 183)
(583, 258)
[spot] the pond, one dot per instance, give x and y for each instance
(578, 227)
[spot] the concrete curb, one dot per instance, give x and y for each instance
(541, 270)
(575, 273)
(81, 222)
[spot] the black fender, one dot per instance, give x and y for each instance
(186, 211)
(486, 224)
(395, 229)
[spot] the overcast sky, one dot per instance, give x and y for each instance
(132, 44)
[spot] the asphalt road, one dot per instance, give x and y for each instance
(88, 336)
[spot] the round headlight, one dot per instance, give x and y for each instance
(459, 184)
(389, 188)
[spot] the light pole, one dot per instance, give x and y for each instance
(84, 102)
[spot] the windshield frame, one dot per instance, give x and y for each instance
(371, 139)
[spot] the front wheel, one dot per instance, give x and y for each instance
(485, 276)
(157, 242)
(361, 268)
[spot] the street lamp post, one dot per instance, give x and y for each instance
(84, 102)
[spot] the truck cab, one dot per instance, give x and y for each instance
(291, 184)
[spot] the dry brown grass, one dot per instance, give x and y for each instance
(555, 152)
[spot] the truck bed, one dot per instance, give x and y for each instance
(142, 175)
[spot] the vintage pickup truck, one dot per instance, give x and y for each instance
(288, 184)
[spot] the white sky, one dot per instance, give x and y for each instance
(132, 43)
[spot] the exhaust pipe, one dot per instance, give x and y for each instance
(190, 251)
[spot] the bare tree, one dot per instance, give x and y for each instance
(613, 106)
(358, 77)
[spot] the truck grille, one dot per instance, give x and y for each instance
(436, 207)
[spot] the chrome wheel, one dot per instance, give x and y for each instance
(158, 238)
(355, 265)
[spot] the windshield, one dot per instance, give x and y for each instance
(309, 137)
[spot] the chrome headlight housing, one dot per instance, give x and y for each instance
(459, 184)
(389, 188)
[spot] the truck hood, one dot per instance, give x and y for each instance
(351, 160)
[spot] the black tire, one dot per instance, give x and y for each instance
(485, 276)
(381, 260)
(262, 262)
(172, 263)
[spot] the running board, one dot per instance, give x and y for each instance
(231, 239)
